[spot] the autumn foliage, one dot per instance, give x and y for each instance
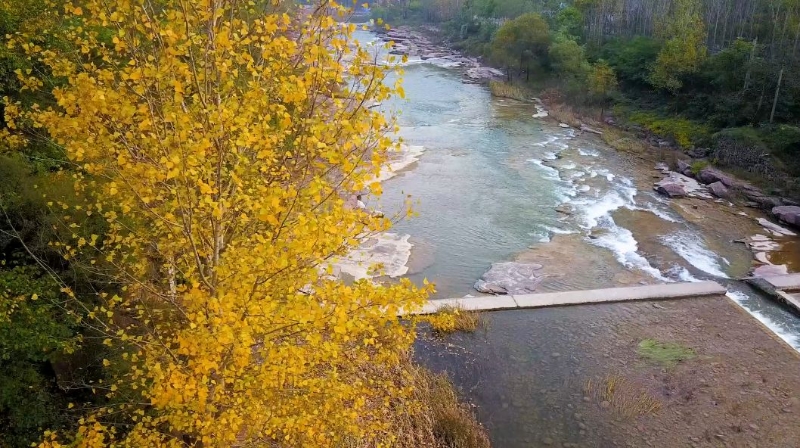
(218, 140)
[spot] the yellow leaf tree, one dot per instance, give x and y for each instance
(220, 139)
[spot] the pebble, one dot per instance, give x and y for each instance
(577, 416)
(605, 404)
(586, 399)
(786, 410)
(556, 355)
(581, 425)
(547, 441)
(753, 426)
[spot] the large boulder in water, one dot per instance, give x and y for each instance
(509, 278)
(790, 214)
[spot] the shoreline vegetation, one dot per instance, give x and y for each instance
(684, 76)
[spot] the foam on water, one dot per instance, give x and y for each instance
(407, 155)
(559, 231)
(550, 139)
(690, 247)
(550, 172)
(649, 207)
(588, 152)
(621, 242)
(781, 331)
(682, 274)
(570, 166)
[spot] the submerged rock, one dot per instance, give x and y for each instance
(509, 278)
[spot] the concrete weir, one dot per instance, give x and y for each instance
(785, 288)
(648, 292)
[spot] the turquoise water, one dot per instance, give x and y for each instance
(478, 200)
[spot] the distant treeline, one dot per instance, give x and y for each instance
(682, 69)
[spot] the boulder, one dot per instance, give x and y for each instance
(766, 202)
(719, 190)
(661, 166)
(677, 185)
(698, 153)
(671, 189)
(711, 175)
(681, 166)
(790, 214)
(509, 278)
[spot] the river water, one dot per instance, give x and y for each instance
(489, 179)
(486, 186)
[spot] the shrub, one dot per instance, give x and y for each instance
(684, 132)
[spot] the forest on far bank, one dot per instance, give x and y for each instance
(719, 77)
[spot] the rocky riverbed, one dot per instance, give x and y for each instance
(419, 48)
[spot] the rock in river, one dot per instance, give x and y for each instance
(719, 190)
(677, 185)
(790, 214)
(509, 278)
(671, 189)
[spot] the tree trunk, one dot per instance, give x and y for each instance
(750, 65)
(775, 100)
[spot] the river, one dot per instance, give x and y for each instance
(486, 187)
(490, 177)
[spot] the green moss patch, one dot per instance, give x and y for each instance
(664, 353)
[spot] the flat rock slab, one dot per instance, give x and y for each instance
(786, 282)
(648, 292)
(509, 278)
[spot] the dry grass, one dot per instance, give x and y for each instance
(623, 397)
(432, 416)
(506, 90)
(564, 114)
(623, 141)
(450, 319)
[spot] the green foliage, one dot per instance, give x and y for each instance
(33, 329)
(684, 132)
(631, 58)
(568, 59)
(698, 165)
(602, 80)
(684, 47)
(569, 22)
(521, 42)
(666, 354)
